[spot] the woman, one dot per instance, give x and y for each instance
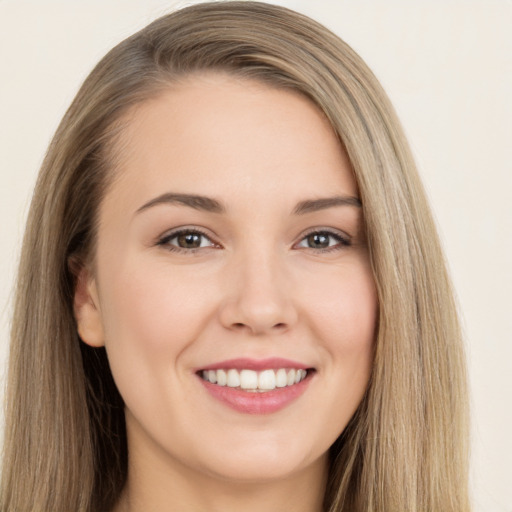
(231, 290)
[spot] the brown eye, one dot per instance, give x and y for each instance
(318, 241)
(189, 240)
(186, 240)
(324, 240)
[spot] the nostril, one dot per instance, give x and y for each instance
(241, 325)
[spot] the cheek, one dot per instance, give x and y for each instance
(341, 308)
(150, 316)
(355, 347)
(344, 313)
(344, 308)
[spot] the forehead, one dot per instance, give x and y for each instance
(221, 136)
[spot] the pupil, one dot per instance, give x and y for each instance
(318, 241)
(189, 240)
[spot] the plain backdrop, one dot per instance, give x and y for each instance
(447, 66)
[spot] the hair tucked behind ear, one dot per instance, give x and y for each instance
(406, 447)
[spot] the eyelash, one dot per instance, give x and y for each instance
(166, 239)
(342, 240)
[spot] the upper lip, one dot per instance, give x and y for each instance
(244, 363)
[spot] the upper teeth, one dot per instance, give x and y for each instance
(252, 380)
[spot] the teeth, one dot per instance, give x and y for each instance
(281, 378)
(233, 379)
(248, 379)
(265, 380)
(222, 378)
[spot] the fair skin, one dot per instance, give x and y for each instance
(260, 274)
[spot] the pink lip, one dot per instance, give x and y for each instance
(255, 364)
(257, 403)
(250, 402)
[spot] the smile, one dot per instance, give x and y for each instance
(254, 381)
(252, 386)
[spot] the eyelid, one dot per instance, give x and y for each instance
(345, 240)
(164, 239)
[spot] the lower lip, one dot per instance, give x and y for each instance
(250, 402)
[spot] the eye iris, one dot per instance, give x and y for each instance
(318, 241)
(189, 240)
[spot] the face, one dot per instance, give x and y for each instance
(232, 287)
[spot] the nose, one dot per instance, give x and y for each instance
(258, 299)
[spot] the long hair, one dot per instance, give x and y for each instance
(405, 449)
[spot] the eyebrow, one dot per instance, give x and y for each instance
(213, 205)
(193, 201)
(315, 205)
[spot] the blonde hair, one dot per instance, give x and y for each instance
(405, 449)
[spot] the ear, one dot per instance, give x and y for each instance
(87, 310)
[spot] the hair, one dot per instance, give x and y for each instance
(65, 443)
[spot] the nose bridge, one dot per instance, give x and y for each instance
(260, 300)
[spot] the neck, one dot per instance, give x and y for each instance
(173, 489)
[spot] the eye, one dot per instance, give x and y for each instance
(324, 240)
(186, 240)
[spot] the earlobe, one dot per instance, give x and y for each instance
(87, 311)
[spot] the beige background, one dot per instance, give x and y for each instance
(447, 66)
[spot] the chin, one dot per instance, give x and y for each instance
(256, 463)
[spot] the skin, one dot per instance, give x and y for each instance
(257, 287)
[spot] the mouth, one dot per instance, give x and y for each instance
(256, 387)
(255, 381)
